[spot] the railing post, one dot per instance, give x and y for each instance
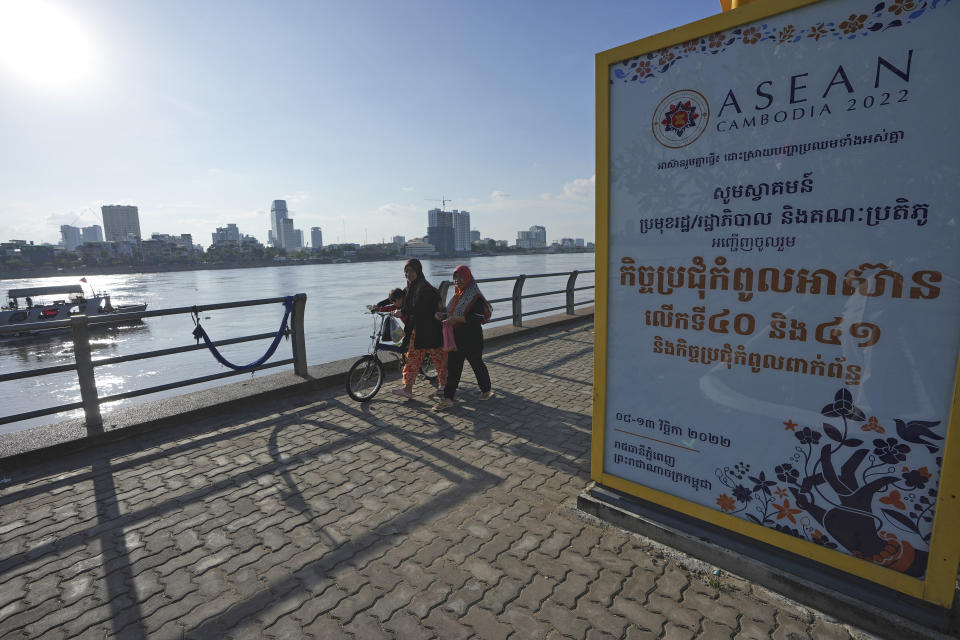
(444, 287)
(517, 301)
(299, 345)
(88, 384)
(571, 283)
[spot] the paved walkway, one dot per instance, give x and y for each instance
(323, 518)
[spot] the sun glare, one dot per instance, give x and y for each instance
(44, 45)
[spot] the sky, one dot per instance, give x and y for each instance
(361, 115)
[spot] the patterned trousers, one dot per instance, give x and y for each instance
(415, 359)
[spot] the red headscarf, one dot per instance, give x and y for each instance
(464, 297)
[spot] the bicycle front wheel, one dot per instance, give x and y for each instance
(427, 369)
(365, 378)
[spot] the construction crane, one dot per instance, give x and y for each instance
(443, 202)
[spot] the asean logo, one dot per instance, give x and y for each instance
(680, 118)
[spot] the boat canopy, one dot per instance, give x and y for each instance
(45, 291)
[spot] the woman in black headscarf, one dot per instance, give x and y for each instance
(424, 330)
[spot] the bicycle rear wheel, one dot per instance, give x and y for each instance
(427, 369)
(365, 378)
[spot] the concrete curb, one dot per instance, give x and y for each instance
(23, 448)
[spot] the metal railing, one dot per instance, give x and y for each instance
(517, 313)
(84, 364)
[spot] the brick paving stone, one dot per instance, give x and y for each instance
(638, 615)
(395, 599)
(311, 514)
(548, 565)
(713, 630)
(349, 607)
(525, 625)
(461, 599)
(486, 625)
(563, 620)
(496, 598)
(673, 632)
(790, 628)
(534, 593)
(601, 617)
(675, 612)
(426, 599)
(366, 626)
(569, 590)
(447, 625)
(709, 606)
(407, 626)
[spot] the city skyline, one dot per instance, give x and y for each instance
(72, 236)
(368, 115)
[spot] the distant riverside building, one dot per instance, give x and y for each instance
(419, 248)
(461, 231)
(120, 222)
(534, 238)
(297, 238)
(474, 236)
(316, 238)
(92, 233)
(71, 237)
(225, 236)
(184, 240)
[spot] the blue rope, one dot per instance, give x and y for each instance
(199, 333)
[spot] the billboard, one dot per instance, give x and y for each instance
(779, 281)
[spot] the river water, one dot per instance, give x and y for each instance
(336, 322)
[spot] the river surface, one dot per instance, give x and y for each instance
(337, 325)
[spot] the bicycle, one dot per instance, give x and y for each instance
(366, 374)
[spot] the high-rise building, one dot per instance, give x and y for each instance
(120, 222)
(282, 234)
(286, 234)
(461, 231)
(534, 238)
(316, 238)
(440, 232)
(70, 236)
(92, 234)
(474, 236)
(278, 213)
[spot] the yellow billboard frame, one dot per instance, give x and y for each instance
(939, 584)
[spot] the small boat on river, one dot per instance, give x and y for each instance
(47, 304)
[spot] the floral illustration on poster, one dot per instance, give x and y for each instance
(848, 483)
(872, 20)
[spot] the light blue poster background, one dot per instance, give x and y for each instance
(853, 105)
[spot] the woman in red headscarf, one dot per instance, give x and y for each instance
(467, 311)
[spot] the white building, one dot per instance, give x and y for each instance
(71, 238)
(461, 231)
(418, 248)
(120, 222)
(534, 238)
